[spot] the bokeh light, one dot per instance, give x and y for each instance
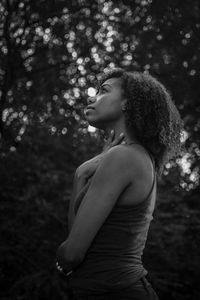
(91, 92)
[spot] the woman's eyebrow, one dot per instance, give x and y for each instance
(103, 85)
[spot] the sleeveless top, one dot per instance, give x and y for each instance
(113, 260)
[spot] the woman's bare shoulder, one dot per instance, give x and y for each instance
(127, 152)
(122, 157)
(136, 156)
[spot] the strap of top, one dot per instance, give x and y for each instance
(154, 168)
(154, 179)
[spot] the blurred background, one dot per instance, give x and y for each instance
(50, 54)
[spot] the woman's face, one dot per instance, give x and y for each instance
(106, 105)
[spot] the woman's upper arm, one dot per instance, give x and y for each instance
(71, 214)
(110, 179)
(81, 176)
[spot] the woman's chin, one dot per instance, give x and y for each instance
(94, 123)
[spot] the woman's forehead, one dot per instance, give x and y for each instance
(113, 82)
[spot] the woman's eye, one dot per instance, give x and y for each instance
(103, 90)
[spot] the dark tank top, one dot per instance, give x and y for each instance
(113, 260)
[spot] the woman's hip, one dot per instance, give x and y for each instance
(141, 290)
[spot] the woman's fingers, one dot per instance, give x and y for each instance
(111, 137)
(118, 140)
(112, 141)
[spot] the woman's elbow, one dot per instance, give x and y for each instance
(67, 256)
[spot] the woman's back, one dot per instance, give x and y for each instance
(142, 174)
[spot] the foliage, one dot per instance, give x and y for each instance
(51, 52)
(171, 253)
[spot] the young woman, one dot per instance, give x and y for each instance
(114, 193)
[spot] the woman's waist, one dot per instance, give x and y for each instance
(109, 267)
(108, 280)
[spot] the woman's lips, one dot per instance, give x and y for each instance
(89, 108)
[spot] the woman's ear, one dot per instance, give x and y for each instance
(124, 105)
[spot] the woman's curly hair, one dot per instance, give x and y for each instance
(151, 114)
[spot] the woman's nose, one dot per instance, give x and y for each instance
(90, 100)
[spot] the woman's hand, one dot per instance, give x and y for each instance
(111, 141)
(65, 262)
